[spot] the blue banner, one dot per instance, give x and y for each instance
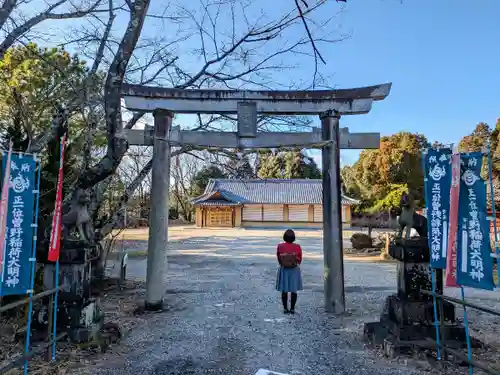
(16, 275)
(437, 185)
(475, 264)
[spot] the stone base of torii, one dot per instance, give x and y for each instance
(330, 105)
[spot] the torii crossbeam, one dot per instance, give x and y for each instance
(330, 105)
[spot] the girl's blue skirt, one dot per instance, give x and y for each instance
(289, 280)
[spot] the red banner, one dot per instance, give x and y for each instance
(3, 209)
(55, 234)
(451, 256)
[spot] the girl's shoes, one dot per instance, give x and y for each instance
(292, 312)
(286, 311)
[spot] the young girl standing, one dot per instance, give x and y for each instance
(289, 278)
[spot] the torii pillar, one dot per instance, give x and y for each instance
(333, 252)
(328, 104)
(158, 213)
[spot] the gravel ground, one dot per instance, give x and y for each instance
(224, 316)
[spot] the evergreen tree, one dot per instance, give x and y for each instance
(261, 156)
(238, 168)
(476, 141)
(33, 82)
(271, 165)
(200, 180)
(380, 175)
(287, 164)
(293, 164)
(312, 168)
(298, 165)
(15, 133)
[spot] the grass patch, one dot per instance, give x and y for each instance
(367, 258)
(137, 253)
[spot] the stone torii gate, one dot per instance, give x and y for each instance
(330, 105)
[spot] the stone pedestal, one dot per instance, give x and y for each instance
(407, 320)
(78, 311)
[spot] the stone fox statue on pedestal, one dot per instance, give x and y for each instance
(77, 223)
(409, 219)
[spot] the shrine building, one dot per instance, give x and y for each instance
(265, 203)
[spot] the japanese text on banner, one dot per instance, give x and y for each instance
(437, 169)
(475, 264)
(19, 233)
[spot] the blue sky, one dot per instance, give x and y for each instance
(441, 56)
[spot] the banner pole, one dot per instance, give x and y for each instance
(436, 318)
(493, 209)
(3, 215)
(433, 274)
(54, 314)
(33, 265)
(467, 333)
(56, 295)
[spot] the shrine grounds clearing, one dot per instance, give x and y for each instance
(224, 315)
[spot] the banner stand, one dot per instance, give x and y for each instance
(34, 225)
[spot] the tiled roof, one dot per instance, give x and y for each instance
(271, 191)
(217, 202)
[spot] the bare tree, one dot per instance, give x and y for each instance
(17, 19)
(210, 44)
(131, 166)
(183, 172)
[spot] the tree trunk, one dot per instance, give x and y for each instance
(117, 144)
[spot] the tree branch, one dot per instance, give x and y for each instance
(135, 118)
(20, 30)
(59, 121)
(6, 10)
(129, 191)
(102, 45)
(117, 144)
(317, 54)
